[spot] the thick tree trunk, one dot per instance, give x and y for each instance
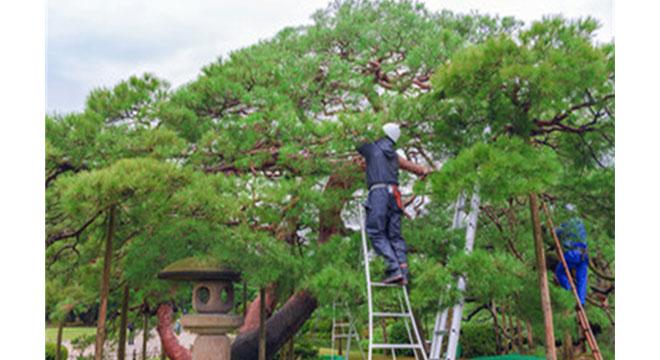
(280, 328)
(58, 346)
(339, 185)
(168, 340)
(105, 286)
(121, 351)
(550, 351)
(145, 333)
(252, 317)
(262, 324)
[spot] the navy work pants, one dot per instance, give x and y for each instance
(576, 260)
(384, 229)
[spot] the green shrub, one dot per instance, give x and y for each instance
(397, 334)
(477, 339)
(304, 350)
(51, 350)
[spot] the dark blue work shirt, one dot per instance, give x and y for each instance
(572, 234)
(382, 161)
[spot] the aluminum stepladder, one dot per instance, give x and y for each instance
(440, 327)
(404, 303)
(344, 330)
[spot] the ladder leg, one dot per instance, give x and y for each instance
(353, 330)
(332, 346)
(365, 252)
(348, 345)
(440, 326)
(454, 332)
(405, 323)
(357, 337)
(438, 334)
(414, 324)
(458, 309)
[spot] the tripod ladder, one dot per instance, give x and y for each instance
(405, 313)
(344, 329)
(440, 327)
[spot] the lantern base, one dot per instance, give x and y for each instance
(211, 347)
(212, 342)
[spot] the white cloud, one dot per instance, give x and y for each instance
(98, 43)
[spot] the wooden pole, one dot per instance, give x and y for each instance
(105, 286)
(530, 337)
(546, 307)
(121, 350)
(58, 347)
(519, 332)
(145, 332)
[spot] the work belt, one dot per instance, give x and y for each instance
(392, 189)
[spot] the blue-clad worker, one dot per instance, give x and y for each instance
(573, 237)
(384, 206)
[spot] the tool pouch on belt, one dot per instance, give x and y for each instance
(394, 190)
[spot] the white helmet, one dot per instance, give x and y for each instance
(392, 131)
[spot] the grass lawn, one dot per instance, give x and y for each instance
(355, 354)
(68, 333)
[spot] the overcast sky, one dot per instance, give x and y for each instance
(92, 43)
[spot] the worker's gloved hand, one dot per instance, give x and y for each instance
(425, 172)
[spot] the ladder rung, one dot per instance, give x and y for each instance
(380, 284)
(391, 314)
(396, 346)
(344, 336)
(342, 324)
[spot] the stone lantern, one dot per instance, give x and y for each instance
(212, 299)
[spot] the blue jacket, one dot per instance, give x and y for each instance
(573, 236)
(382, 161)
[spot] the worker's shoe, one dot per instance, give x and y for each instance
(404, 276)
(393, 279)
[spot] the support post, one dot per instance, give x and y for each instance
(546, 307)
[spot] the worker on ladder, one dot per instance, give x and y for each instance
(573, 236)
(384, 205)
